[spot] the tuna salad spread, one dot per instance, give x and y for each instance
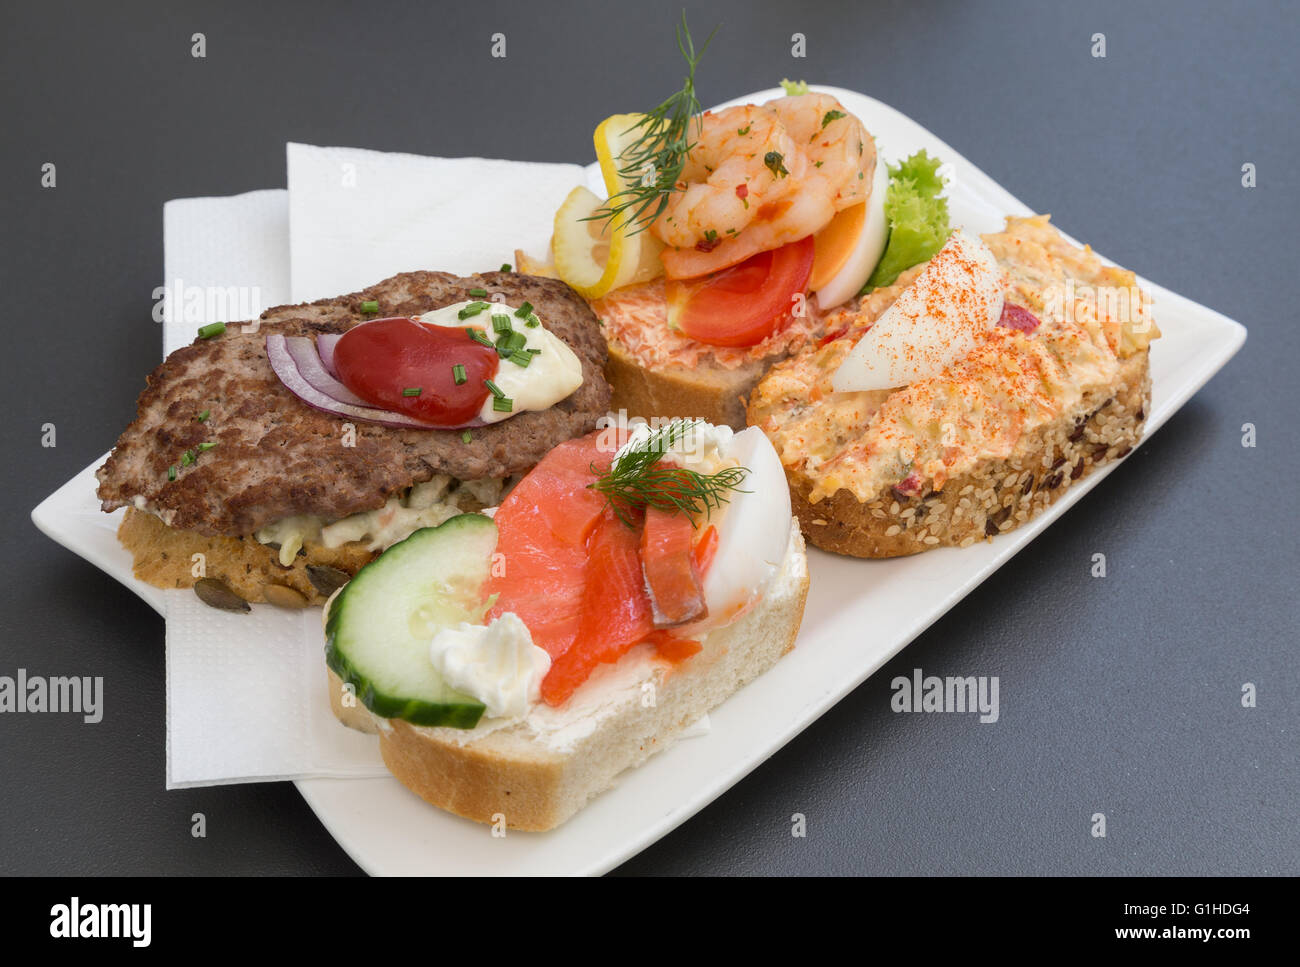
(1067, 324)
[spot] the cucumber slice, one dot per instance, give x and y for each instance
(381, 624)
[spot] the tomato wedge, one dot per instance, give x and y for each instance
(742, 305)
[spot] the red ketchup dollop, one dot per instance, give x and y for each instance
(384, 361)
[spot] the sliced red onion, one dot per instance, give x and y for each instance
(286, 368)
(1018, 318)
(313, 371)
(325, 348)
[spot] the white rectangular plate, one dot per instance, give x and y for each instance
(859, 615)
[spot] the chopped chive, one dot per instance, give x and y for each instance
(187, 458)
(501, 324)
(466, 437)
(211, 329)
(478, 293)
(206, 446)
(510, 342)
(520, 358)
(494, 389)
(203, 417)
(535, 352)
(370, 307)
(479, 337)
(171, 472)
(532, 322)
(473, 309)
(503, 404)
(505, 266)
(525, 310)
(458, 374)
(411, 391)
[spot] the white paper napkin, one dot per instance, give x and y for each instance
(246, 694)
(224, 259)
(359, 216)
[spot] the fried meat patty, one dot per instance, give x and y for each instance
(276, 457)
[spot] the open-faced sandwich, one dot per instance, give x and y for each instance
(290, 451)
(514, 664)
(778, 214)
(727, 235)
(962, 400)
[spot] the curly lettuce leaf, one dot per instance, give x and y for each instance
(917, 215)
(792, 88)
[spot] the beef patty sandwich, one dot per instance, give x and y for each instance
(290, 451)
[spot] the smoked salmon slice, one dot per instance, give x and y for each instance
(579, 577)
(544, 526)
(616, 611)
(668, 561)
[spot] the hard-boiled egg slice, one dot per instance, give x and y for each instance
(753, 530)
(935, 321)
(869, 244)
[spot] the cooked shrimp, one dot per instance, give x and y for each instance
(842, 155)
(727, 179)
(825, 164)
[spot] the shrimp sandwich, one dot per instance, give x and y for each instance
(726, 237)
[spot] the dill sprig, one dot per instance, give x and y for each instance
(652, 164)
(636, 479)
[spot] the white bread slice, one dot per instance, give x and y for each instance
(536, 774)
(706, 391)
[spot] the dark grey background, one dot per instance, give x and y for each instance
(1119, 696)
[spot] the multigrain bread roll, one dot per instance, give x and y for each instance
(988, 443)
(166, 556)
(537, 773)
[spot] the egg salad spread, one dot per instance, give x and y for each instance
(1068, 323)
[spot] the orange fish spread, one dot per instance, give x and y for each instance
(1019, 376)
(636, 317)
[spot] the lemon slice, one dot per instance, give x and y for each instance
(589, 256)
(598, 255)
(615, 134)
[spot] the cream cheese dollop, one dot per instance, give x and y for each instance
(496, 663)
(554, 372)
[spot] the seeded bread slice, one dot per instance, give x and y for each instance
(533, 784)
(996, 497)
